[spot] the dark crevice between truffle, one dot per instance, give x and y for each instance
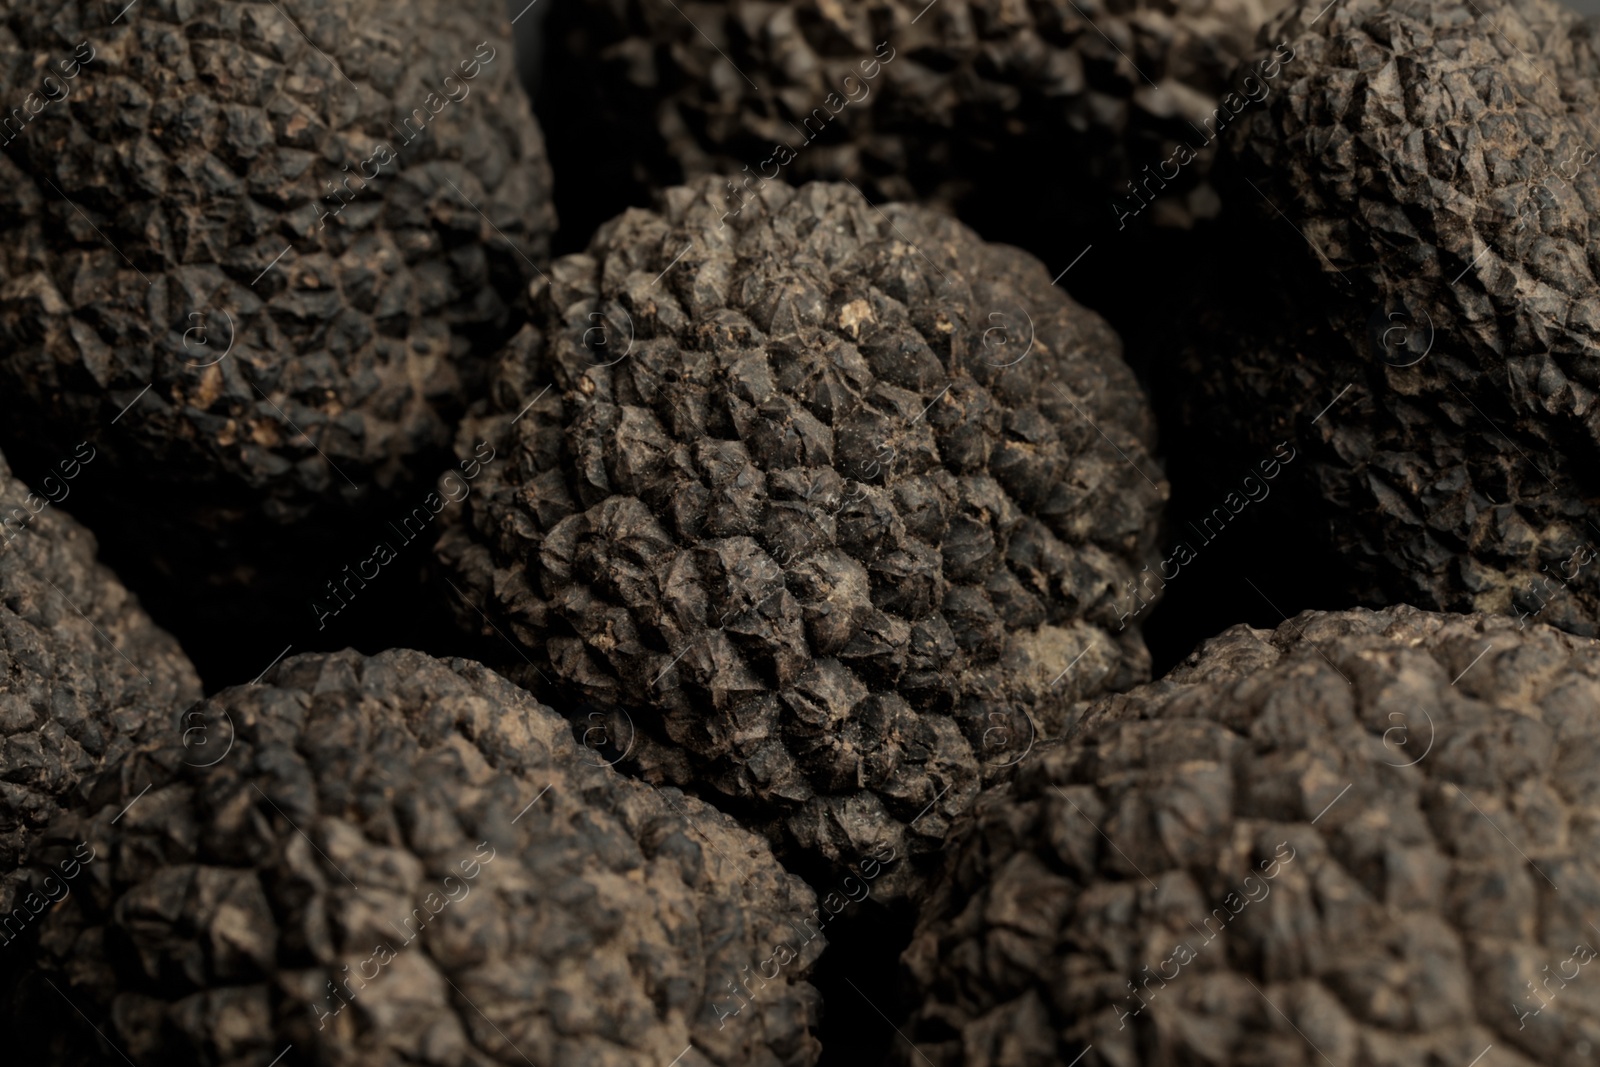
(861, 961)
(1272, 541)
(231, 632)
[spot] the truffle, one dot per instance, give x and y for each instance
(87, 675)
(258, 242)
(409, 860)
(839, 507)
(1364, 837)
(1427, 337)
(1020, 112)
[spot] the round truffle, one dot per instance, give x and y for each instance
(408, 860)
(87, 675)
(259, 242)
(971, 102)
(1429, 340)
(1365, 837)
(837, 506)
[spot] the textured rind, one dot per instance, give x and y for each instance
(84, 674)
(146, 213)
(1425, 804)
(842, 495)
(976, 100)
(1434, 159)
(567, 915)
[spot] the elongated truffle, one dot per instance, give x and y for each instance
(86, 674)
(407, 860)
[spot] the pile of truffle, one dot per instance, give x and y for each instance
(793, 559)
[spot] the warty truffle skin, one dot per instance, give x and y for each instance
(1362, 838)
(836, 505)
(1432, 346)
(1018, 111)
(86, 674)
(409, 860)
(344, 196)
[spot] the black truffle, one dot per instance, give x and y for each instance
(832, 503)
(409, 860)
(1020, 112)
(291, 223)
(1428, 330)
(1365, 837)
(86, 674)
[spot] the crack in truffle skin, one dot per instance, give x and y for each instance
(824, 498)
(306, 186)
(1438, 160)
(410, 860)
(1384, 822)
(85, 675)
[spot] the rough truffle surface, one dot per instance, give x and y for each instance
(281, 218)
(840, 514)
(409, 860)
(1377, 829)
(84, 673)
(970, 100)
(1435, 160)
